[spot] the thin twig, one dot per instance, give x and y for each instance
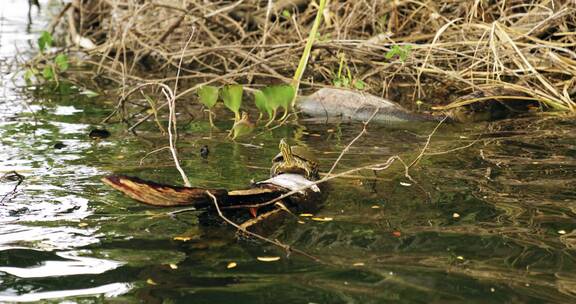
(287, 248)
(345, 150)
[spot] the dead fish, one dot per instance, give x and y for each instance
(347, 105)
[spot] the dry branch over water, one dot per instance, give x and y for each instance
(432, 51)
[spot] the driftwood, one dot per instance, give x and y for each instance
(237, 203)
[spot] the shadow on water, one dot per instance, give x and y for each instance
(490, 223)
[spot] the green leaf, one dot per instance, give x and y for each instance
(261, 102)
(48, 73)
(208, 95)
(45, 41)
(61, 62)
(286, 14)
(232, 97)
(242, 127)
(28, 74)
(359, 84)
(405, 51)
(279, 96)
(393, 51)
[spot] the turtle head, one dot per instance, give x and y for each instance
(296, 159)
(286, 152)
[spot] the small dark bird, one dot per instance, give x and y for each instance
(204, 151)
(99, 133)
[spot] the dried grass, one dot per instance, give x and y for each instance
(527, 48)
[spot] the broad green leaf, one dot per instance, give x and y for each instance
(262, 103)
(286, 14)
(48, 73)
(208, 95)
(232, 97)
(240, 130)
(242, 126)
(279, 95)
(61, 62)
(45, 41)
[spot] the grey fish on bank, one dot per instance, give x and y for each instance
(346, 105)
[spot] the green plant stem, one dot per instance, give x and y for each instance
(306, 54)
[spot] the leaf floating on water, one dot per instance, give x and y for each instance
(82, 224)
(455, 215)
(151, 282)
(358, 264)
(173, 266)
(182, 238)
(231, 265)
(405, 184)
(268, 259)
(375, 207)
(460, 258)
(301, 222)
(322, 219)
(561, 231)
(306, 214)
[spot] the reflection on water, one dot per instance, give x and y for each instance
(72, 265)
(40, 218)
(493, 223)
(108, 290)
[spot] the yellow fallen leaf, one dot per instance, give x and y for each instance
(375, 207)
(182, 238)
(322, 219)
(151, 282)
(231, 265)
(301, 222)
(173, 266)
(358, 264)
(82, 224)
(268, 259)
(306, 214)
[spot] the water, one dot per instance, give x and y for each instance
(490, 223)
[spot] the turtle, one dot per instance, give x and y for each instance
(295, 159)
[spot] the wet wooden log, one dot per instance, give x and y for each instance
(236, 203)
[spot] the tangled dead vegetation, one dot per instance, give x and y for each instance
(524, 48)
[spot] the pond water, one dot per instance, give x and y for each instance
(488, 217)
